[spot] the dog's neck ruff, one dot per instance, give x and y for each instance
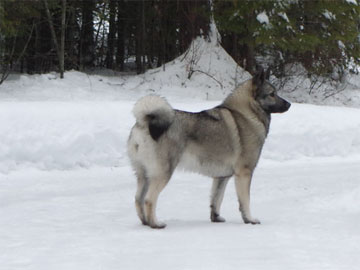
(264, 119)
(263, 116)
(242, 100)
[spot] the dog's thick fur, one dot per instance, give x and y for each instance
(221, 142)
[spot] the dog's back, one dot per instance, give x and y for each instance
(206, 142)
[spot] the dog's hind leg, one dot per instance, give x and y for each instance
(217, 195)
(156, 185)
(242, 184)
(142, 187)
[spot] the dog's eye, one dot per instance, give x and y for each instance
(272, 94)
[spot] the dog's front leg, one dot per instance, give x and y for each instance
(242, 184)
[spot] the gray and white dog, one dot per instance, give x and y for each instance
(221, 142)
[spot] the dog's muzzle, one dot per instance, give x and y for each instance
(281, 107)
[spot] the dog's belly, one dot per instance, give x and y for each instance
(205, 165)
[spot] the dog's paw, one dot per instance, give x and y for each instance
(143, 221)
(158, 225)
(216, 218)
(252, 221)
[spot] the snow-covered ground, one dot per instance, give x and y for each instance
(67, 190)
(85, 219)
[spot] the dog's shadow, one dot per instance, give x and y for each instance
(189, 225)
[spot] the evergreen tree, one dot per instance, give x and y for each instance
(136, 35)
(322, 35)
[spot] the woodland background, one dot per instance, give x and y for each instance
(38, 36)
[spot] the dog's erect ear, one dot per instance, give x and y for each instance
(259, 77)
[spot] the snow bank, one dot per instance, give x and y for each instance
(67, 135)
(62, 135)
(308, 131)
(298, 87)
(76, 86)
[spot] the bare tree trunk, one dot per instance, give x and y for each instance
(163, 29)
(62, 39)
(143, 37)
(121, 28)
(60, 50)
(87, 42)
(111, 35)
(250, 63)
(140, 37)
(2, 43)
(72, 60)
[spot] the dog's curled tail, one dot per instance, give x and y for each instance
(155, 113)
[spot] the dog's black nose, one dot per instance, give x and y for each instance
(284, 106)
(287, 105)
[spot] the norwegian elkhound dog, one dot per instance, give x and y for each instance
(221, 142)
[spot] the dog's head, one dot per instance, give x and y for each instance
(266, 95)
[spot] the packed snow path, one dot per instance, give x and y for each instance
(67, 194)
(85, 219)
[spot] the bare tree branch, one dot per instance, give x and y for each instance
(212, 77)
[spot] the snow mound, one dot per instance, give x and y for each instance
(206, 66)
(205, 70)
